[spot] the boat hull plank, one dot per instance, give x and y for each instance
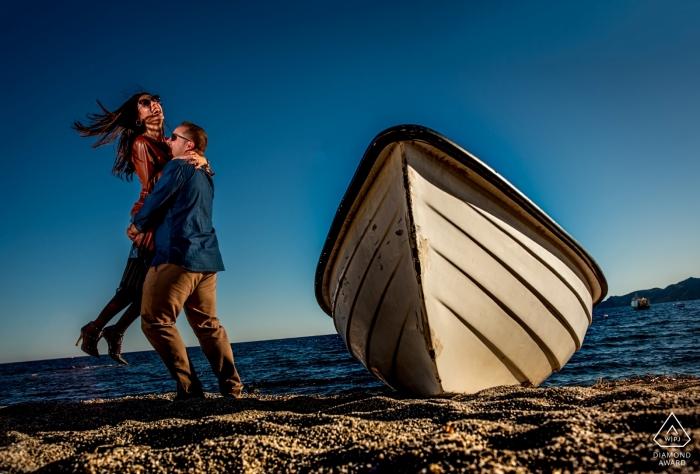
(465, 361)
(451, 177)
(395, 312)
(468, 272)
(558, 269)
(361, 245)
(376, 295)
(414, 367)
(377, 308)
(444, 193)
(538, 300)
(459, 308)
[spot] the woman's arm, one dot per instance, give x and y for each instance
(198, 161)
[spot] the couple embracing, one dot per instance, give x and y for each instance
(175, 256)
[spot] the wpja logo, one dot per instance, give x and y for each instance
(672, 435)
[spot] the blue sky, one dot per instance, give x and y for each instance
(591, 109)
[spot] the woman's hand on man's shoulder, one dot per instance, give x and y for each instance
(196, 160)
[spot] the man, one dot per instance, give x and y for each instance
(183, 271)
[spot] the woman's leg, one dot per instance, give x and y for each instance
(120, 301)
(115, 334)
(132, 282)
(130, 315)
(90, 333)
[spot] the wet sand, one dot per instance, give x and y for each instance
(606, 428)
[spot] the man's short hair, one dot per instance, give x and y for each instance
(197, 135)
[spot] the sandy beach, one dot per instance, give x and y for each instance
(606, 428)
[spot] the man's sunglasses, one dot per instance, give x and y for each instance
(147, 102)
(176, 136)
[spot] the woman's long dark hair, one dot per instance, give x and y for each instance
(109, 126)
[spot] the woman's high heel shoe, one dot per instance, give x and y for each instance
(90, 335)
(114, 341)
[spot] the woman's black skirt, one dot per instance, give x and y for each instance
(135, 271)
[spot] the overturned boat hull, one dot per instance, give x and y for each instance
(443, 278)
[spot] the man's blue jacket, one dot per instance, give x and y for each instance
(180, 206)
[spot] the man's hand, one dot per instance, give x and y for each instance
(133, 233)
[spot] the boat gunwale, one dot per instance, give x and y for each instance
(418, 133)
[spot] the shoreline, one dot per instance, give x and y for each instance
(607, 428)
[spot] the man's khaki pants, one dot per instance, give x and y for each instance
(167, 289)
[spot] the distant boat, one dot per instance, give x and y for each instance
(680, 305)
(640, 303)
(441, 277)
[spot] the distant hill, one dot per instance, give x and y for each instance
(685, 290)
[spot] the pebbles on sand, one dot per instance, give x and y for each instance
(607, 428)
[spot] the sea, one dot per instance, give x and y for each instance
(621, 343)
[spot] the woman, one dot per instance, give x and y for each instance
(141, 149)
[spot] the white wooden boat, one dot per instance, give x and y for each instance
(442, 278)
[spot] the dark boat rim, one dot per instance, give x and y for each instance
(404, 133)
